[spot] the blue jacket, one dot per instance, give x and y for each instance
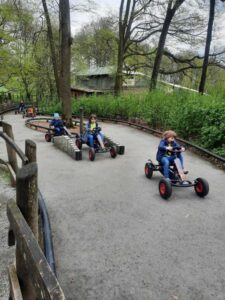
(57, 123)
(162, 148)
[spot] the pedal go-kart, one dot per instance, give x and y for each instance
(82, 139)
(52, 132)
(177, 178)
(30, 112)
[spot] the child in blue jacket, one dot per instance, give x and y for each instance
(91, 133)
(165, 154)
(57, 125)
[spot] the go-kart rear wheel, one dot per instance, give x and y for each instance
(91, 154)
(148, 170)
(48, 137)
(165, 188)
(201, 187)
(78, 144)
(113, 152)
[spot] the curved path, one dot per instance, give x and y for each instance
(115, 238)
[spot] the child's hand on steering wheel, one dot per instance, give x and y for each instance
(169, 148)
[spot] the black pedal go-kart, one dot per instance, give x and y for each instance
(82, 139)
(51, 133)
(177, 178)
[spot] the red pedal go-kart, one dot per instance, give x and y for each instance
(82, 139)
(177, 178)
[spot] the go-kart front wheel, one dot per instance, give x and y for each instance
(148, 170)
(113, 152)
(201, 187)
(165, 188)
(91, 154)
(48, 137)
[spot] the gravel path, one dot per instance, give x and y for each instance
(115, 238)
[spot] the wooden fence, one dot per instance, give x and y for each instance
(31, 277)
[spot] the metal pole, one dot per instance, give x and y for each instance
(81, 120)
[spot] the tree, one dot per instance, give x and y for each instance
(65, 61)
(171, 10)
(207, 45)
(95, 44)
(52, 47)
(132, 29)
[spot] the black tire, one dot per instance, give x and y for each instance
(148, 170)
(106, 144)
(48, 137)
(201, 187)
(113, 152)
(165, 188)
(91, 154)
(78, 144)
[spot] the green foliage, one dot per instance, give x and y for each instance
(194, 117)
(95, 44)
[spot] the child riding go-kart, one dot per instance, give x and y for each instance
(171, 167)
(94, 138)
(56, 128)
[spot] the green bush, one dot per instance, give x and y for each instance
(195, 117)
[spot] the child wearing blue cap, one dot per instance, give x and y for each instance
(57, 125)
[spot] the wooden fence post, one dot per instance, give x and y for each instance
(27, 195)
(27, 201)
(31, 151)
(7, 128)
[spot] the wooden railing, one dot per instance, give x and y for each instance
(31, 277)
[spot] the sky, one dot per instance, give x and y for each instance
(105, 7)
(111, 7)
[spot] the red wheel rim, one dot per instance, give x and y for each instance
(199, 187)
(90, 155)
(162, 188)
(146, 170)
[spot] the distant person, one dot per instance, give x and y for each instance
(57, 125)
(21, 106)
(166, 152)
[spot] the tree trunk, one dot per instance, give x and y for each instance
(120, 55)
(119, 72)
(162, 40)
(65, 58)
(207, 46)
(26, 87)
(161, 45)
(52, 47)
